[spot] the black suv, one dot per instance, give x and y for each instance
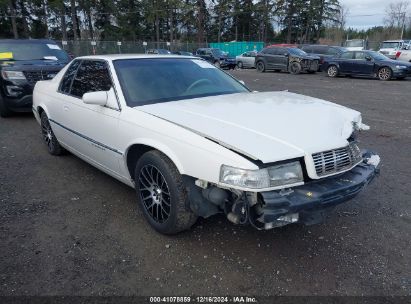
(158, 52)
(22, 64)
(216, 57)
(323, 51)
(289, 59)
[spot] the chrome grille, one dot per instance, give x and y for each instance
(34, 76)
(334, 161)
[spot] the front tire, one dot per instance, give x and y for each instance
(4, 110)
(261, 66)
(161, 194)
(384, 74)
(53, 146)
(332, 71)
(217, 64)
(295, 68)
(240, 65)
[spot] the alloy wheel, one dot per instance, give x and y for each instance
(47, 133)
(384, 74)
(332, 71)
(154, 193)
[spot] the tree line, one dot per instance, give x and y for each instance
(292, 21)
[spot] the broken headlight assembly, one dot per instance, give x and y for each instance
(278, 176)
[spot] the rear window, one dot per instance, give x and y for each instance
(22, 50)
(390, 45)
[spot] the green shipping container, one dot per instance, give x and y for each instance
(237, 48)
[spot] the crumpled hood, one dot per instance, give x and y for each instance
(268, 126)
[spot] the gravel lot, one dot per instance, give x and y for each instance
(68, 229)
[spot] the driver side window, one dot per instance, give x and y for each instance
(92, 76)
(347, 55)
(360, 55)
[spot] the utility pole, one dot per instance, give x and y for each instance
(403, 25)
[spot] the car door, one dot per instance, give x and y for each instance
(92, 129)
(346, 62)
(279, 58)
(364, 65)
(248, 60)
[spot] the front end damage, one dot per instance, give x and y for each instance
(307, 204)
(307, 64)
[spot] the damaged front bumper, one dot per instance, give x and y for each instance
(309, 204)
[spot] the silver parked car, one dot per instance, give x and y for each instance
(246, 60)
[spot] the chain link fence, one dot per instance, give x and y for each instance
(87, 47)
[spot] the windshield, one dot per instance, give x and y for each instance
(354, 43)
(378, 56)
(32, 51)
(296, 51)
(149, 81)
(390, 45)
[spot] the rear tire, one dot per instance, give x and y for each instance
(240, 65)
(4, 110)
(332, 71)
(161, 194)
(53, 146)
(295, 68)
(260, 66)
(384, 74)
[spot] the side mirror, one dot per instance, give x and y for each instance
(368, 58)
(96, 98)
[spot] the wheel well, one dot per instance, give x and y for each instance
(134, 154)
(40, 110)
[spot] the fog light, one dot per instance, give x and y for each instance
(283, 220)
(13, 91)
(289, 218)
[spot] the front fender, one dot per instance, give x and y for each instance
(158, 146)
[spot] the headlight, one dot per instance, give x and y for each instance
(275, 176)
(401, 67)
(12, 75)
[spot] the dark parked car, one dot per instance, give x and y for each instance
(366, 63)
(323, 51)
(288, 59)
(183, 53)
(158, 51)
(22, 64)
(217, 57)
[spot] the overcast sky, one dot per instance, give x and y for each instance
(359, 11)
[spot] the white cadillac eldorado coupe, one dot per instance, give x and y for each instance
(194, 141)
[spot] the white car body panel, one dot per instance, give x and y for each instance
(405, 56)
(270, 127)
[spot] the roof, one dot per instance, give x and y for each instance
(111, 57)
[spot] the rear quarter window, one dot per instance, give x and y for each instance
(68, 77)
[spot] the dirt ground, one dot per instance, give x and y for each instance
(68, 229)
